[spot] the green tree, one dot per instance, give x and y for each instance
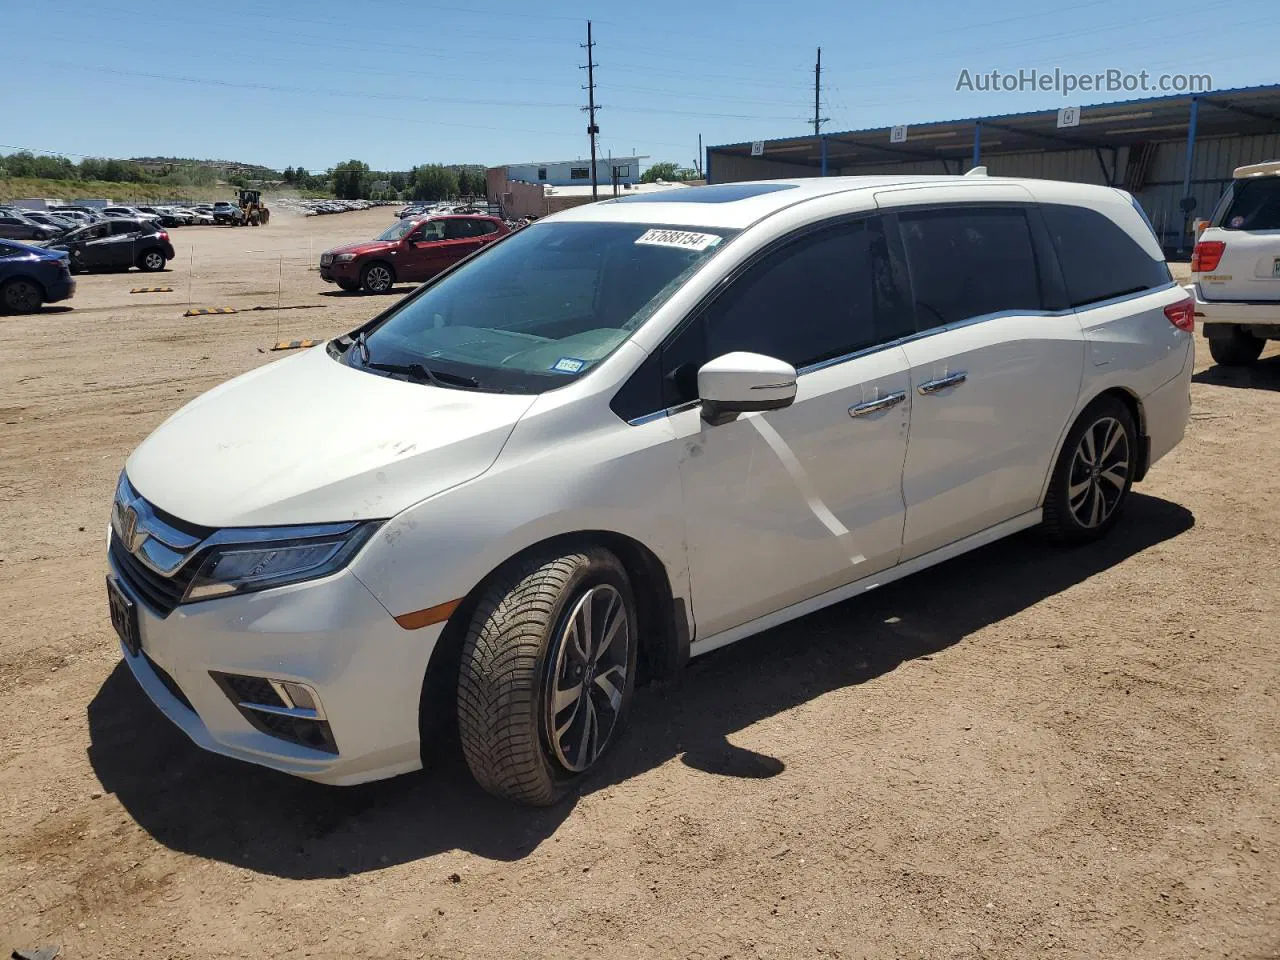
(665, 170)
(434, 181)
(351, 180)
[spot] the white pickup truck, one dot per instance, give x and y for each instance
(1236, 266)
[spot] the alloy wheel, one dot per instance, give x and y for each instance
(21, 297)
(587, 677)
(1099, 472)
(154, 261)
(379, 279)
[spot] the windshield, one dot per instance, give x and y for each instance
(543, 306)
(396, 230)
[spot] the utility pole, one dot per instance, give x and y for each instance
(699, 162)
(592, 129)
(818, 119)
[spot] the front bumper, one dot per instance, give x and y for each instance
(347, 272)
(331, 635)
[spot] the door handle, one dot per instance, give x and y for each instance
(874, 406)
(933, 386)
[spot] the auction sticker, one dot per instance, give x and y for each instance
(682, 239)
(568, 365)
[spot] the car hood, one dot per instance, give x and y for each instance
(311, 440)
(364, 246)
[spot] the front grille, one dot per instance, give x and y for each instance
(169, 683)
(160, 594)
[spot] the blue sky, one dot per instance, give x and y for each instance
(397, 83)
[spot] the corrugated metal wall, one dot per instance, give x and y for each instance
(1215, 158)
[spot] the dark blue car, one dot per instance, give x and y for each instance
(31, 276)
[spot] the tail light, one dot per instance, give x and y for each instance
(1182, 314)
(1207, 254)
(164, 234)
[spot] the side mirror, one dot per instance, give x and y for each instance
(743, 382)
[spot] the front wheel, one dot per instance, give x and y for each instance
(1094, 472)
(377, 278)
(1237, 347)
(151, 261)
(547, 673)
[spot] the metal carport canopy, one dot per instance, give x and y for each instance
(1243, 111)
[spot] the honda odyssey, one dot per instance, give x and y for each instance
(627, 435)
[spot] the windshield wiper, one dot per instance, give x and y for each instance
(424, 375)
(417, 371)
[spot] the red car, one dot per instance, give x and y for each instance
(409, 252)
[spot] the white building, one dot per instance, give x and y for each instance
(568, 173)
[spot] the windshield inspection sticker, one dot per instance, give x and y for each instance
(681, 239)
(568, 365)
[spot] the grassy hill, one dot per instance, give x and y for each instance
(14, 188)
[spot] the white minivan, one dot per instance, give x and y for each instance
(626, 435)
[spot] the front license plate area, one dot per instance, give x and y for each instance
(124, 617)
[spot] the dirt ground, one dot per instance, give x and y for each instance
(1026, 752)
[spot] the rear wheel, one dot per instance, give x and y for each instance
(377, 278)
(1094, 472)
(151, 261)
(21, 296)
(1236, 348)
(547, 673)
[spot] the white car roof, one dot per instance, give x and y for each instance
(738, 205)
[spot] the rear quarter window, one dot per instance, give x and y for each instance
(1255, 205)
(1099, 260)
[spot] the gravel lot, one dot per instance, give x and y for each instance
(1026, 752)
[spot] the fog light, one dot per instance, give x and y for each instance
(302, 697)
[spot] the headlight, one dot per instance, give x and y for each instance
(343, 257)
(241, 561)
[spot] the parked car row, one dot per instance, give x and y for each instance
(313, 208)
(39, 272)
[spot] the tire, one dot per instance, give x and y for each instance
(377, 277)
(151, 261)
(1236, 348)
(1088, 491)
(351, 286)
(21, 295)
(519, 652)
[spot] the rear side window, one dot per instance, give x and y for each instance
(124, 226)
(1099, 260)
(1254, 206)
(969, 261)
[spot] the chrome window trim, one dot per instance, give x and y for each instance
(900, 341)
(1125, 297)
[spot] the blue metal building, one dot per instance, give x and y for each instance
(1175, 154)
